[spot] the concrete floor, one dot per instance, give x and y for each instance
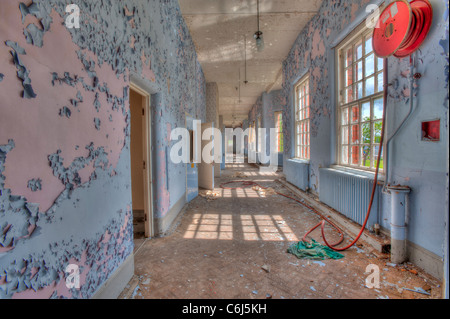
(221, 245)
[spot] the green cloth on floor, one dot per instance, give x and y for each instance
(313, 251)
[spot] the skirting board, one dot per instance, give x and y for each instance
(162, 225)
(114, 286)
(425, 259)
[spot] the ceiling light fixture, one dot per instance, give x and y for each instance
(239, 101)
(259, 35)
(245, 51)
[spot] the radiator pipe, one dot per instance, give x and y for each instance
(399, 196)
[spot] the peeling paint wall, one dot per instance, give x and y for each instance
(416, 163)
(212, 103)
(65, 180)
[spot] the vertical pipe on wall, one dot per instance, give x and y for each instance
(398, 223)
(410, 111)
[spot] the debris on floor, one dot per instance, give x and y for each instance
(239, 175)
(209, 195)
(264, 191)
(266, 268)
(270, 191)
(321, 264)
(418, 290)
(136, 292)
(313, 251)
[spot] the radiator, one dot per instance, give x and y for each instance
(349, 194)
(297, 173)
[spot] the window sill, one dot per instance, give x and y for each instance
(358, 172)
(299, 161)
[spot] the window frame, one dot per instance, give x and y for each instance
(279, 131)
(302, 122)
(362, 35)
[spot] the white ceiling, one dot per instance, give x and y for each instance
(218, 29)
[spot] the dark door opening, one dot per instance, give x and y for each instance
(140, 163)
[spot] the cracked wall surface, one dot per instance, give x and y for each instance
(65, 180)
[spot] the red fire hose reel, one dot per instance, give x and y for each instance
(402, 28)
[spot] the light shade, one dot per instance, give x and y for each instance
(259, 41)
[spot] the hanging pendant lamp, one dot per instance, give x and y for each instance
(245, 54)
(258, 34)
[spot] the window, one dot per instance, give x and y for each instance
(302, 125)
(279, 130)
(361, 86)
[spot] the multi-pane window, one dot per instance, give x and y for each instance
(279, 130)
(302, 123)
(361, 84)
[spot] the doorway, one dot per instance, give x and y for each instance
(141, 165)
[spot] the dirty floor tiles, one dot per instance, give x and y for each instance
(231, 244)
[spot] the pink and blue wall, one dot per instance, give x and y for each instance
(65, 179)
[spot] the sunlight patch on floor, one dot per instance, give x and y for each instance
(210, 226)
(252, 228)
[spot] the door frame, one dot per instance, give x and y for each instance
(147, 160)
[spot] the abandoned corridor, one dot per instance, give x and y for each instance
(232, 244)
